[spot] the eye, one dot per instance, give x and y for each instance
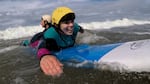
(68, 22)
(65, 22)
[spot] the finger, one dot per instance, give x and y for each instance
(44, 68)
(56, 68)
(51, 68)
(47, 67)
(60, 66)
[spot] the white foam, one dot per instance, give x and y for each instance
(110, 24)
(19, 80)
(25, 31)
(141, 33)
(89, 38)
(111, 66)
(14, 33)
(8, 49)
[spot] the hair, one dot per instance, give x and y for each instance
(47, 23)
(67, 17)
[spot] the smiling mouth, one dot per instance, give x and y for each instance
(69, 30)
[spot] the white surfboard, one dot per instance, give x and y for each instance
(134, 55)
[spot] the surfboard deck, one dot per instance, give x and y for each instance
(134, 55)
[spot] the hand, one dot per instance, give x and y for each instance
(51, 66)
(81, 30)
(25, 43)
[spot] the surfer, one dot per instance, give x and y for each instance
(60, 35)
(45, 23)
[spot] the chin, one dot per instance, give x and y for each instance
(69, 33)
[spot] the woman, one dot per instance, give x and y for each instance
(60, 36)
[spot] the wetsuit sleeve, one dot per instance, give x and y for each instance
(42, 50)
(35, 40)
(36, 37)
(48, 44)
(81, 30)
(78, 28)
(46, 47)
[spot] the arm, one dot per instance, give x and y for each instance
(78, 28)
(36, 37)
(34, 40)
(81, 30)
(49, 64)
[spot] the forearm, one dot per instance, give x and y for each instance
(46, 47)
(42, 52)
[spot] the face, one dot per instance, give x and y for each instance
(67, 27)
(42, 23)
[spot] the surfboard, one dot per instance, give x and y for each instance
(134, 55)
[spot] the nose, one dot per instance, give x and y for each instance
(41, 22)
(71, 23)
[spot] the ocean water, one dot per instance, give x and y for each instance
(104, 21)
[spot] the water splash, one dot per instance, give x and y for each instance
(6, 49)
(26, 31)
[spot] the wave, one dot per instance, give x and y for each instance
(19, 32)
(111, 24)
(27, 31)
(8, 49)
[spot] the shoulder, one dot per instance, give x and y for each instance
(50, 33)
(76, 27)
